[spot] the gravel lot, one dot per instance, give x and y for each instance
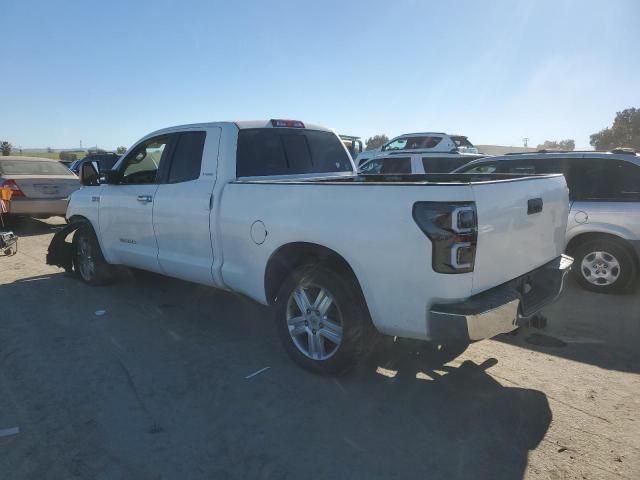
(145, 379)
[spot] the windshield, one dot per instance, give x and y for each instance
(461, 141)
(33, 167)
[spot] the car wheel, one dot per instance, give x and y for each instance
(320, 319)
(88, 261)
(603, 266)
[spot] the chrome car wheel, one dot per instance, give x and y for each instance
(600, 268)
(314, 321)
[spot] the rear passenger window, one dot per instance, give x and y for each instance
(187, 157)
(604, 179)
(443, 164)
(396, 166)
(482, 168)
(534, 166)
(289, 151)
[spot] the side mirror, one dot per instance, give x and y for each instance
(88, 175)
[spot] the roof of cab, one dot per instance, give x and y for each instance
(241, 125)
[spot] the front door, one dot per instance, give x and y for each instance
(126, 207)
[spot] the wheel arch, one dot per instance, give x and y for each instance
(293, 255)
(582, 238)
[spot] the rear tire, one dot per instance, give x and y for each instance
(88, 261)
(603, 266)
(321, 319)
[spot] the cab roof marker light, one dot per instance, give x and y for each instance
(278, 122)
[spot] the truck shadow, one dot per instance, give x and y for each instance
(159, 371)
(594, 328)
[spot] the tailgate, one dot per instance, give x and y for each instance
(54, 186)
(513, 237)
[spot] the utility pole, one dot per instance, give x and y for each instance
(80, 144)
(525, 140)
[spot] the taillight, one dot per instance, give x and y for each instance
(11, 185)
(452, 228)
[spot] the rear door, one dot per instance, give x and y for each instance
(182, 207)
(126, 208)
(521, 226)
(605, 194)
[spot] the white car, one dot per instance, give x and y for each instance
(275, 210)
(40, 186)
(410, 163)
(425, 142)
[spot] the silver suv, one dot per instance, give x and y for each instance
(603, 232)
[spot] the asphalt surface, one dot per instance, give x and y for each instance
(145, 379)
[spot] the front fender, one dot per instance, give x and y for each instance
(60, 252)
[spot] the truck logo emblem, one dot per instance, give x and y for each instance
(128, 240)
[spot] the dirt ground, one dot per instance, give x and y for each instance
(145, 379)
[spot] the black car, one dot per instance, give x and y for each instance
(103, 161)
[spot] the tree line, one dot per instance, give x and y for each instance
(624, 133)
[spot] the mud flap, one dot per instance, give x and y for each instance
(60, 252)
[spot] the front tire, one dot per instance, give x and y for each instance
(88, 261)
(604, 266)
(320, 319)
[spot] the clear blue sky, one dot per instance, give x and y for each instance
(108, 72)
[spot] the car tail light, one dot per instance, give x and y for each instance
(286, 123)
(11, 185)
(452, 228)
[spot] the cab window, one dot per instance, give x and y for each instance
(187, 157)
(142, 164)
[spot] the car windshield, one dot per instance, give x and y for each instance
(32, 167)
(461, 141)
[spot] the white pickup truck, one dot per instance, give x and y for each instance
(275, 210)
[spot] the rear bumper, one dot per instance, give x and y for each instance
(498, 309)
(38, 206)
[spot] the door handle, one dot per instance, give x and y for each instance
(144, 198)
